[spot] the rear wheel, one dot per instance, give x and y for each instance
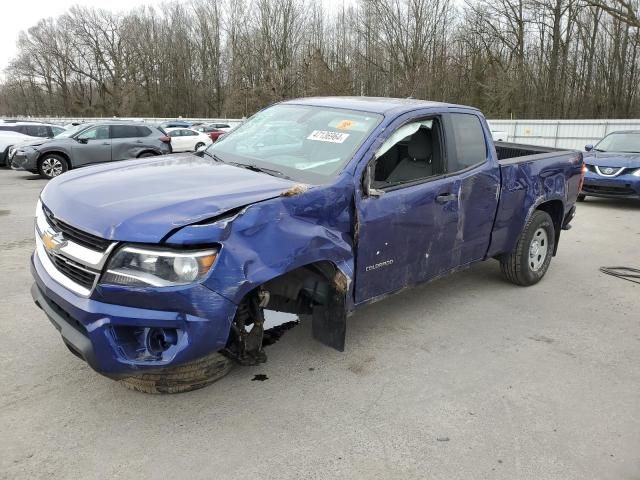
(581, 197)
(530, 260)
(146, 154)
(199, 145)
(182, 378)
(51, 165)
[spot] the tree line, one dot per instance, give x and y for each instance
(229, 58)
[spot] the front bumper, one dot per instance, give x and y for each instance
(622, 186)
(24, 161)
(110, 337)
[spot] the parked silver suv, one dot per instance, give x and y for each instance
(95, 143)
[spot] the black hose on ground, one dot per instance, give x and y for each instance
(625, 273)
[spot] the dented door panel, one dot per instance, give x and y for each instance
(405, 237)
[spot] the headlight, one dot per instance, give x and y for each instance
(636, 173)
(141, 267)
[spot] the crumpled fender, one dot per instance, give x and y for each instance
(267, 239)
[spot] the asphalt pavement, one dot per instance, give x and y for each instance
(469, 377)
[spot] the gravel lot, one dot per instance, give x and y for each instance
(469, 377)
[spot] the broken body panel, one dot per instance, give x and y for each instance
(313, 249)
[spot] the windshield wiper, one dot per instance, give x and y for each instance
(214, 156)
(598, 150)
(255, 168)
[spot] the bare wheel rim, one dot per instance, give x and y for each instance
(538, 249)
(52, 167)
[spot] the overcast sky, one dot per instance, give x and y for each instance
(18, 15)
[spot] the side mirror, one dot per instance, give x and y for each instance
(83, 140)
(588, 147)
(369, 177)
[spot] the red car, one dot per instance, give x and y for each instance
(215, 134)
(215, 131)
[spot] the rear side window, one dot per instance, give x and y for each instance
(38, 131)
(470, 147)
(124, 131)
(143, 131)
(4, 128)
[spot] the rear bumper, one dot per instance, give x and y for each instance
(622, 186)
(111, 338)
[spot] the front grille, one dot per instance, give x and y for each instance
(608, 189)
(610, 171)
(78, 236)
(74, 271)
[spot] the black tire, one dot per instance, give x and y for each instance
(182, 378)
(52, 165)
(146, 154)
(5, 158)
(581, 197)
(198, 145)
(521, 266)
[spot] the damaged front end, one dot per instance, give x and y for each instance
(291, 254)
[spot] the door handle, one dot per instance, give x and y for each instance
(106, 143)
(446, 197)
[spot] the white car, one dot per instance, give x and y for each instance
(12, 133)
(499, 136)
(187, 139)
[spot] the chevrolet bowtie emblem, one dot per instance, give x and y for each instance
(53, 241)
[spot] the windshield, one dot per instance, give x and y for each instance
(305, 143)
(70, 131)
(620, 142)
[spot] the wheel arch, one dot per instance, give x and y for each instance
(147, 150)
(555, 209)
(319, 289)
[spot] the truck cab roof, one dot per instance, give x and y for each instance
(381, 105)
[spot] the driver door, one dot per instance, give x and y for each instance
(408, 224)
(92, 146)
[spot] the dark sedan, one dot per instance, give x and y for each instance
(613, 167)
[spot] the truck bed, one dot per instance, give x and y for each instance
(508, 152)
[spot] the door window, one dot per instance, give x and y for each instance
(96, 133)
(412, 153)
(469, 143)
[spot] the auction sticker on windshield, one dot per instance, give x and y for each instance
(324, 136)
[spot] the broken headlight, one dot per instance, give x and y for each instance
(141, 267)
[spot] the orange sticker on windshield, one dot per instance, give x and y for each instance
(345, 125)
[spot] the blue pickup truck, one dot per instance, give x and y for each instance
(157, 272)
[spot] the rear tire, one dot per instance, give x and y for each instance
(146, 154)
(198, 145)
(530, 259)
(52, 165)
(581, 197)
(182, 378)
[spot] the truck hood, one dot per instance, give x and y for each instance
(143, 200)
(613, 159)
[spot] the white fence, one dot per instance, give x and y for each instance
(560, 133)
(551, 133)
